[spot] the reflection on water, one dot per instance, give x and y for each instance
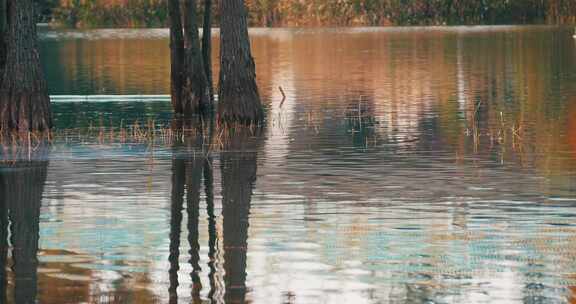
(191, 164)
(238, 172)
(21, 188)
(238, 178)
(406, 166)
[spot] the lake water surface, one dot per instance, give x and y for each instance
(406, 165)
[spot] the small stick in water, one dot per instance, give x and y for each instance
(283, 96)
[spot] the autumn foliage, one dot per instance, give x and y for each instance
(153, 13)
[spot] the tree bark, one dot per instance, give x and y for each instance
(176, 55)
(3, 28)
(190, 90)
(197, 83)
(24, 100)
(207, 45)
(238, 96)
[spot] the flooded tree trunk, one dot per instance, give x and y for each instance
(25, 181)
(238, 96)
(176, 55)
(3, 27)
(24, 100)
(207, 45)
(196, 85)
(189, 88)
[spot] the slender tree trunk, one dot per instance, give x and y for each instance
(197, 84)
(207, 45)
(176, 55)
(238, 96)
(189, 88)
(24, 100)
(3, 28)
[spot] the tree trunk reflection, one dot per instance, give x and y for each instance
(194, 169)
(188, 166)
(191, 164)
(21, 186)
(177, 197)
(3, 238)
(238, 167)
(212, 230)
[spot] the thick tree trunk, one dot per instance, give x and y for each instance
(190, 90)
(22, 186)
(207, 45)
(24, 100)
(238, 96)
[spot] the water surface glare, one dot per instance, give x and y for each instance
(406, 165)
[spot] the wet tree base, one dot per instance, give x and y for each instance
(24, 112)
(241, 108)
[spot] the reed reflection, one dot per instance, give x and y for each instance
(189, 164)
(238, 168)
(22, 177)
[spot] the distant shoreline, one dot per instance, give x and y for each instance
(329, 28)
(289, 13)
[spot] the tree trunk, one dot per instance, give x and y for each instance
(176, 56)
(197, 83)
(238, 93)
(3, 28)
(207, 45)
(24, 100)
(190, 90)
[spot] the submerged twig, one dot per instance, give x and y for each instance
(283, 96)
